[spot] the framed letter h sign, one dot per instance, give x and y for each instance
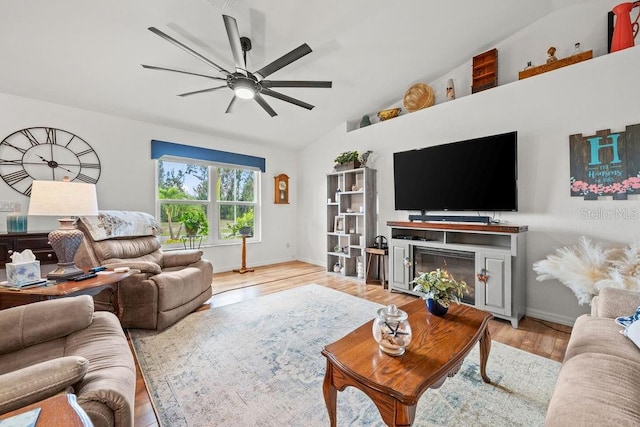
(605, 164)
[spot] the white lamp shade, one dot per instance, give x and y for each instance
(63, 199)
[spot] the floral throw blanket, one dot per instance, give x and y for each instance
(114, 224)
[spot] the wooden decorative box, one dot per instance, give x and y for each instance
(484, 71)
(574, 59)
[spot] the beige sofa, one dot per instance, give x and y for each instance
(599, 382)
(63, 345)
(169, 284)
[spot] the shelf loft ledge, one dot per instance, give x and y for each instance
(555, 65)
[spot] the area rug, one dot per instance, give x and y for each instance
(258, 363)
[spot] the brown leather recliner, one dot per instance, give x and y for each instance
(62, 345)
(170, 284)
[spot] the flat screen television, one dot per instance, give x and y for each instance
(478, 174)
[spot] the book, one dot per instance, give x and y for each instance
(26, 285)
(26, 419)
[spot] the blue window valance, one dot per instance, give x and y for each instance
(162, 148)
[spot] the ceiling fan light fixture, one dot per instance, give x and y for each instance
(244, 92)
(244, 88)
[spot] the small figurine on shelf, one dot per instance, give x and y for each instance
(364, 157)
(529, 65)
(551, 55)
(451, 92)
(576, 49)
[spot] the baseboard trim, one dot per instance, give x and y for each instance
(312, 261)
(550, 317)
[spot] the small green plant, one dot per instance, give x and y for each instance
(440, 286)
(246, 220)
(195, 221)
(346, 157)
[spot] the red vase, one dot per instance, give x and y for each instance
(624, 31)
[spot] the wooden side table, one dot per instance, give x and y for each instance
(59, 410)
(379, 255)
(104, 280)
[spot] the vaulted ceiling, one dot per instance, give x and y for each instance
(88, 55)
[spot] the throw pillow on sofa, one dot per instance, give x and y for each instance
(631, 326)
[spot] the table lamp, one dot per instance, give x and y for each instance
(64, 199)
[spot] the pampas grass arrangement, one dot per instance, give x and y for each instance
(589, 267)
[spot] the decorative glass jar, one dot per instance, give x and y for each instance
(391, 330)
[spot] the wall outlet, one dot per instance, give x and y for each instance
(8, 206)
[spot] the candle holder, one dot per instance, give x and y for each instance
(16, 223)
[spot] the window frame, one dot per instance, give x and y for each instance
(212, 204)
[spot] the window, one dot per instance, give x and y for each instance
(221, 200)
(235, 201)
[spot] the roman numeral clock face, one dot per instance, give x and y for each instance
(42, 153)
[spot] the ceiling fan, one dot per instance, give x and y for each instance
(246, 85)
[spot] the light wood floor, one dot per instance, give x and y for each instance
(545, 339)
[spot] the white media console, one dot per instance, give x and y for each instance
(490, 258)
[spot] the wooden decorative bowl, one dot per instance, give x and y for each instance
(418, 96)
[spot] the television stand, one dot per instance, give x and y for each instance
(490, 258)
(450, 218)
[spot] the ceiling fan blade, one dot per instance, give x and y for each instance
(287, 98)
(283, 61)
(234, 40)
(231, 104)
(153, 67)
(260, 100)
(295, 83)
(187, 49)
(211, 89)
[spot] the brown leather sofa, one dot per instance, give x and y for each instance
(62, 345)
(169, 284)
(599, 381)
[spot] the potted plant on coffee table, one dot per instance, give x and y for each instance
(440, 289)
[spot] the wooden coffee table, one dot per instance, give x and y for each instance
(104, 280)
(395, 384)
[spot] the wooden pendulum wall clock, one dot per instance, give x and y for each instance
(281, 189)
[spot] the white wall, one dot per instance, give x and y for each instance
(597, 94)
(127, 180)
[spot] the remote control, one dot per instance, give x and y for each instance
(84, 277)
(96, 269)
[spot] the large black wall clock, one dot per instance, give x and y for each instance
(42, 153)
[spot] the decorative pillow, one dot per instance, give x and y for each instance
(114, 224)
(631, 326)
